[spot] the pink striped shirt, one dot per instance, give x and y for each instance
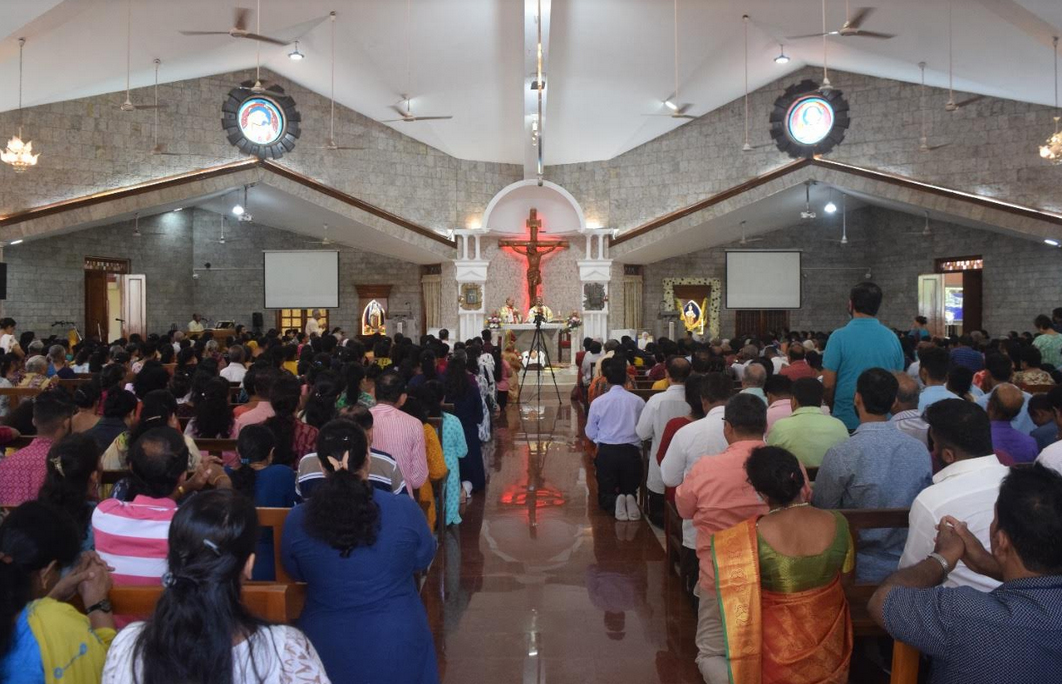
(132, 537)
(402, 436)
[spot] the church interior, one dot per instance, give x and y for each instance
(550, 180)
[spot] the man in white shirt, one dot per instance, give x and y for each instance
(1051, 456)
(905, 414)
(177, 337)
(313, 327)
(966, 488)
(235, 371)
(700, 438)
(662, 407)
(590, 359)
(195, 325)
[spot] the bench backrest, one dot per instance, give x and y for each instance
(271, 601)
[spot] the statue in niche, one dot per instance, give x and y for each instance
(373, 319)
(594, 296)
(693, 315)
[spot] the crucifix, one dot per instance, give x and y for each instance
(534, 249)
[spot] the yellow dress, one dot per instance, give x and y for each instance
(436, 471)
(72, 652)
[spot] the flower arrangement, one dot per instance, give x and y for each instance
(494, 321)
(574, 320)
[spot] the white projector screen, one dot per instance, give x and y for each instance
(305, 279)
(763, 280)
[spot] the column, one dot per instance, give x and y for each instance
(595, 269)
(470, 269)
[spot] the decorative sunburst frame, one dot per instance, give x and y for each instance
(780, 116)
(285, 103)
(715, 298)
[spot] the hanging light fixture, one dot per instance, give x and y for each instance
(295, 55)
(19, 154)
(1052, 149)
(782, 58)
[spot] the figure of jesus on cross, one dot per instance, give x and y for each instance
(534, 249)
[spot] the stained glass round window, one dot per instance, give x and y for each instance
(809, 120)
(261, 120)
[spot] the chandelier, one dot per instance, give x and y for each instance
(19, 154)
(1052, 149)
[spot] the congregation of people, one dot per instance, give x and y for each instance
(757, 446)
(372, 445)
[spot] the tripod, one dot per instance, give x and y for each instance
(538, 350)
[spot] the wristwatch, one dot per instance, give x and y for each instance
(944, 564)
(103, 605)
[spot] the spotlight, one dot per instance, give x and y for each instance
(671, 105)
(830, 207)
(295, 55)
(238, 210)
(1047, 241)
(782, 58)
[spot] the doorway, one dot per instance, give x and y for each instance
(952, 298)
(761, 322)
(115, 300)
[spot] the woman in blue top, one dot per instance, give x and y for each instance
(357, 552)
(267, 484)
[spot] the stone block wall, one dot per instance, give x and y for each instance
(46, 277)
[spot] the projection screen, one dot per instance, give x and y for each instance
(763, 279)
(302, 279)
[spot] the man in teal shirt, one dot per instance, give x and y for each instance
(862, 344)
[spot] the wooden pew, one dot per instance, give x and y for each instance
(271, 601)
(274, 519)
(17, 395)
(645, 393)
(1037, 389)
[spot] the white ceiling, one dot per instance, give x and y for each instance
(610, 61)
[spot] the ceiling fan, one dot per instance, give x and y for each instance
(926, 230)
(243, 211)
(406, 114)
(924, 145)
(136, 227)
(160, 148)
(128, 105)
(239, 28)
(951, 105)
(746, 240)
(331, 144)
(222, 240)
(322, 241)
(851, 27)
(844, 225)
(807, 214)
(678, 110)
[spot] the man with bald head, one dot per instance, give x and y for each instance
(905, 414)
(753, 380)
(661, 408)
(1012, 446)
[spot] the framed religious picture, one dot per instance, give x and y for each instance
(594, 297)
(471, 296)
(808, 120)
(373, 319)
(262, 122)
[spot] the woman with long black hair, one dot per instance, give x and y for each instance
(462, 390)
(213, 412)
(200, 632)
(295, 438)
(357, 552)
(72, 482)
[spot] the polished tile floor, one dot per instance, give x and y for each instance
(537, 585)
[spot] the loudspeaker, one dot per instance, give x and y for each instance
(257, 321)
(3, 280)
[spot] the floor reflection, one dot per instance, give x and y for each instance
(537, 585)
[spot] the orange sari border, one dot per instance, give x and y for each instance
(735, 557)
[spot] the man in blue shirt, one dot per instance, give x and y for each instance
(1010, 634)
(933, 372)
(862, 344)
(1000, 369)
(965, 355)
(877, 467)
(612, 425)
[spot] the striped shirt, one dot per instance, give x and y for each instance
(384, 474)
(132, 537)
(402, 436)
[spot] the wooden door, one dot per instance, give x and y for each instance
(96, 323)
(134, 304)
(759, 322)
(931, 302)
(972, 300)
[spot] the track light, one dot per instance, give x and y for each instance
(782, 58)
(830, 208)
(1047, 241)
(238, 210)
(671, 105)
(295, 55)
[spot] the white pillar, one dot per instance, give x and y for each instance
(591, 270)
(470, 322)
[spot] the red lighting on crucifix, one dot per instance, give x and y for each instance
(534, 249)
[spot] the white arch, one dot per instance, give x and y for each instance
(560, 212)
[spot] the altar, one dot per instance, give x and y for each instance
(525, 332)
